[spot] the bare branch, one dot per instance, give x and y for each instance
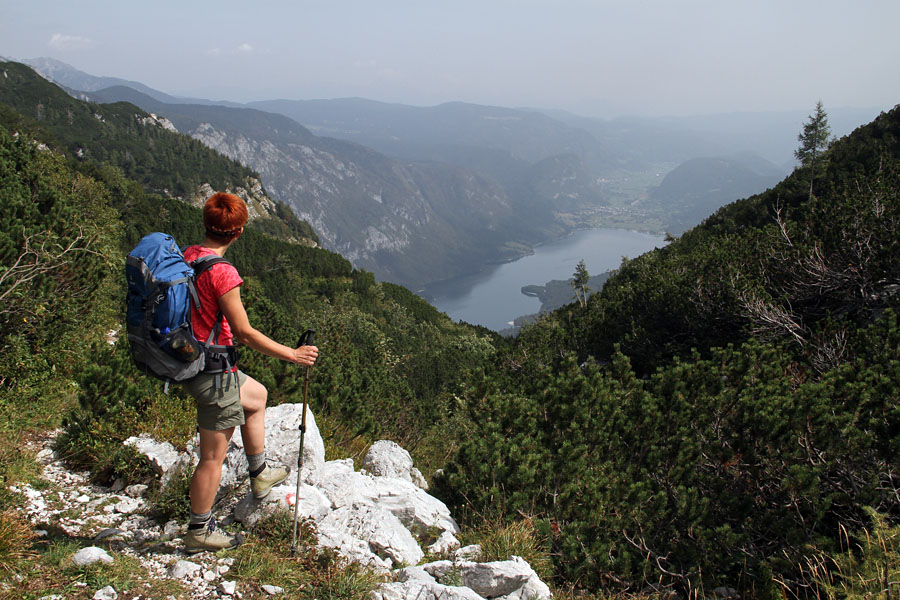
(40, 257)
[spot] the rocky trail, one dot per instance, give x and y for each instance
(380, 517)
(110, 521)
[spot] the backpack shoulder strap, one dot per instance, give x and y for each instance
(201, 265)
(204, 263)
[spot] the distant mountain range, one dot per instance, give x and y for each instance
(421, 194)
(71, 78)
(404, 222)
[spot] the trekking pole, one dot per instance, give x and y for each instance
(305, 340)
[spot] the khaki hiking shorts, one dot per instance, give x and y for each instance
(217, 409)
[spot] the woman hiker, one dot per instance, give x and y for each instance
(223, 404)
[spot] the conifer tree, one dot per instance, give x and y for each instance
(580, 281)
(814, 139)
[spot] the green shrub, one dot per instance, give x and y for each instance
(172, 501)
(698, 476)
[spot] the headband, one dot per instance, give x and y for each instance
(221, 233)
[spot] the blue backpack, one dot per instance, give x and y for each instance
(161, 287)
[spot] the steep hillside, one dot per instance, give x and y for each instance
(410, 223)
(389, 363)
(723, 412)
(697, 188)
(146, 147)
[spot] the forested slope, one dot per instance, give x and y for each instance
(717, 415)
(724, 407)
(390, 363)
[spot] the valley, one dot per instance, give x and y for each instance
(719, 413)
(418, 195)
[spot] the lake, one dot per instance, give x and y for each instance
(494, 297)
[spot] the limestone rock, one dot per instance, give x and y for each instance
(492, 579)
(313, 503)
(183, 569)
(470, 553)
(91, 555)
(445, 544)
(106, 593)
(352, 549)
(413, 573)
(417, 510)
(162, 455)
(272, 590)
(421, 513)
(136, 490)
(534, 589)
(389, 459)
(227, 588)
(128, 505)
(282, 446)
(384, 534)
(422, 590)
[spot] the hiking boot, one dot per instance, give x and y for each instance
(263, 483)
(210, 538)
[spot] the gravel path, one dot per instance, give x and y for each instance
(113, 520)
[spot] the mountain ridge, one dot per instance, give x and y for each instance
(606, 172)
(386, 215)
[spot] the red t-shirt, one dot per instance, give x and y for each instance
(217, 280)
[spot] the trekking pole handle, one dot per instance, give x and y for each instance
(308, 338)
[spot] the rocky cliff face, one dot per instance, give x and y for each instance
(252, 193)
(401, 221)
(407, 222)
(259, 204)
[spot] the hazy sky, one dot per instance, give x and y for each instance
(594, 57)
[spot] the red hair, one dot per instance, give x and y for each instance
(224, 215)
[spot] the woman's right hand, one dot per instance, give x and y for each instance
(306, 355)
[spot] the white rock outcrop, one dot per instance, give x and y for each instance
(416, 509)
(383, 533)
(91, 555)
(282, 446)
(390, 459)
(379, 517)
(511, 579)
(162, 455)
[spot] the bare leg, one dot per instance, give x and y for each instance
(253, 431)
(208, 474)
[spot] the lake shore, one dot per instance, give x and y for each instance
(493, 297)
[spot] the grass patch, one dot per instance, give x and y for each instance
(868, 566)
(16, 535)
(527, 538)
(27, 412)
(50, 571)
(16, 466)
